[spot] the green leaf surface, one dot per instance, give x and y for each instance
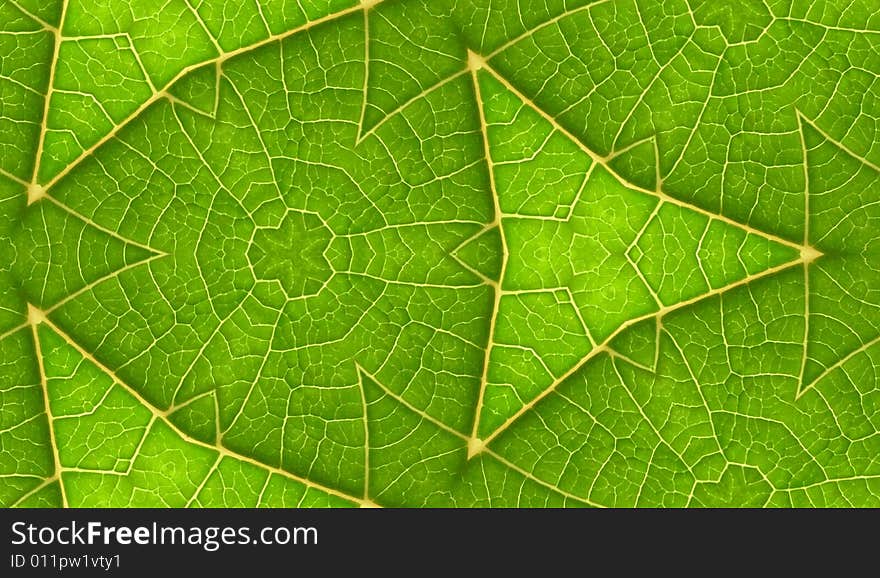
(408, 253)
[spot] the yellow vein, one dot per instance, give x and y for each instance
(35, 191)
(839, 363)
(454, 254)
(12, 177)
(412, 408)
(366, 65)
(34, 17)
(603, 161)
(835, 142)
(198, 18)
(198, 356)
(699, 388)
(147, 429)
(541, 482)
(14, 330)
(39, 316)
(543, 25)
(649, 421)
(443, 82)
(85, 289)
(204, 482)
(806, 263)
(635, 243)
(72, 212)
(140, 63)
(429, 418)
(603, 347)
(186, 70)
(475, 63)
(37, 489)
(259, 134)
(366, 437)
(806, 253)
(35, 317)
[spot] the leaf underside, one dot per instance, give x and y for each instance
(321, 253)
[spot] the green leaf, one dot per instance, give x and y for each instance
(408, 253)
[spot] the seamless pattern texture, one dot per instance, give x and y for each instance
(445, 253)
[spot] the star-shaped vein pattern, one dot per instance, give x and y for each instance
(588, 256)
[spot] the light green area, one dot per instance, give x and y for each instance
(320, 253)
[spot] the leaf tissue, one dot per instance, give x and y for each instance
(439, 253)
